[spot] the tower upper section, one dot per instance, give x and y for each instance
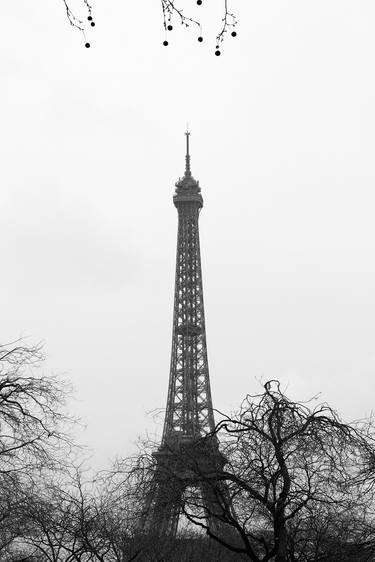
(189, 413)
(187, 188)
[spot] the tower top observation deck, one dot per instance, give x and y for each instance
(187, 188)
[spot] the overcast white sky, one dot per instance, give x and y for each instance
(283, 143)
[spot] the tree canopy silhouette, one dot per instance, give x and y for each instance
(295, 487)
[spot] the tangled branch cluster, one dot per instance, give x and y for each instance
(171, 12)
(31, 411)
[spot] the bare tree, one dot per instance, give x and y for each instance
(33, 423)
(49, 510)
(34, 433)
(292, 482)
(286, 460)
(74, 519)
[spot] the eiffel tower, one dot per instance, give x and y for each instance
(184, 452)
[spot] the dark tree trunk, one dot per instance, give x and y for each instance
(281, 538)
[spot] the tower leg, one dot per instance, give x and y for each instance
(163, 508)
(218, 506)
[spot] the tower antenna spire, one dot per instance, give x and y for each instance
(187, 157)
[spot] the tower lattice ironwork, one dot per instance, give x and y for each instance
(189, 414)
